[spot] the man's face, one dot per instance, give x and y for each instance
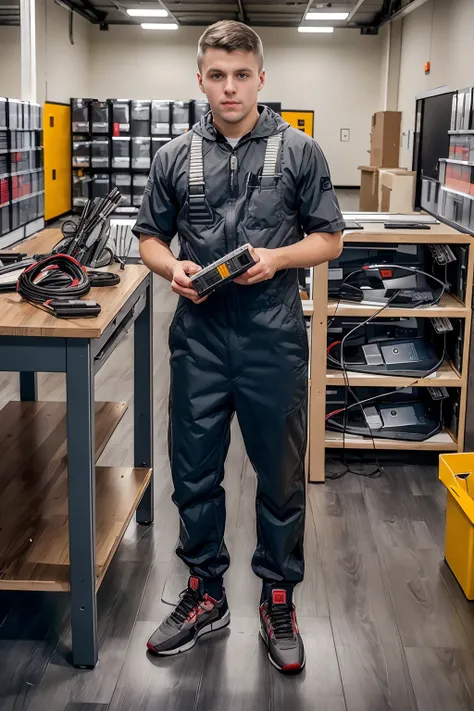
(231, 82)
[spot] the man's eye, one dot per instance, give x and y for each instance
(243, 76)
(216, 76)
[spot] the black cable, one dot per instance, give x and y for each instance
(58, 276)
(379, 471)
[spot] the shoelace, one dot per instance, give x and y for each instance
(282, 622)
(189, 600)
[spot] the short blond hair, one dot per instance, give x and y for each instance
(231, 36)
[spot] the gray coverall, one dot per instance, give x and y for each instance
(245, 349)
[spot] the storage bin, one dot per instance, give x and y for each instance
(456, 471)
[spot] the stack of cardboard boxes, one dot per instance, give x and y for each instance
(384, 186)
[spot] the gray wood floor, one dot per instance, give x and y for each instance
(385, 624)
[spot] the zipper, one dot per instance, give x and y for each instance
(233, 174)
(231, 236)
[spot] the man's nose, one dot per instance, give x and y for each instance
(229, 86)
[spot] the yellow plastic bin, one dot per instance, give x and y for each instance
(456, 471)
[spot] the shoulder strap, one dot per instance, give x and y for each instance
(199, 210)
(271, 156)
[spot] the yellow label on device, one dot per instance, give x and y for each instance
(223, 271)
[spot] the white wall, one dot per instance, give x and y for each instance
(337, 76)
(441, 31)
(10, 66)
(63, 69)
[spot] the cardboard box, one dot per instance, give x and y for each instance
(385, 139)
(396, 190)
(369, 189)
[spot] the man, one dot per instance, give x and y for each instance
(242, 175)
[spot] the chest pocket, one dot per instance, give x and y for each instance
(264, 198)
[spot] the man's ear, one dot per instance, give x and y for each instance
(261, 80)
(199, 78)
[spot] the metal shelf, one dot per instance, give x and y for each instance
(456, 192)
(457, 162)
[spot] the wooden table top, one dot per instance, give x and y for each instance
(18, 318)
(375, 232)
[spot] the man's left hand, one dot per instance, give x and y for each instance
(267, 264)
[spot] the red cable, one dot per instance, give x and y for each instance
(335, 412)
(331, 345)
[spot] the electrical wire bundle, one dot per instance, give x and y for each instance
(56, 285)
(342, 365)
(86, 241)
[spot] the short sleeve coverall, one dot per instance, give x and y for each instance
(245, 349)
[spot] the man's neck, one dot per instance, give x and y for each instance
(237, 130)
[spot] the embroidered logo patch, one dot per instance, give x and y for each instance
(325, 184)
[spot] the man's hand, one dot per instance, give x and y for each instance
(268, 262)
(181, 283)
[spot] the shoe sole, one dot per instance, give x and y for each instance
(289, 672)
(213, 627)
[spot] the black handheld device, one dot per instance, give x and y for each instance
(223, 270)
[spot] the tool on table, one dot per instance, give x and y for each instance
(87, 240)
(122, 240)
(223, 270)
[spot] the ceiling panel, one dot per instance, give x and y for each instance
(271, 13)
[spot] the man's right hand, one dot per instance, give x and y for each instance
(181, 283)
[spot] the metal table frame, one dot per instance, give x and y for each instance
(80, 359)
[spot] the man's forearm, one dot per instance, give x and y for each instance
(157, 256)
(314, 249)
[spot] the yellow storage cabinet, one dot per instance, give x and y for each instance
(456, 471)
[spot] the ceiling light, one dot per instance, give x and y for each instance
(159, 26)
(322, 30)
(147, 13)
(326, 16)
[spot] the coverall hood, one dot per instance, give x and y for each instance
(268, 124)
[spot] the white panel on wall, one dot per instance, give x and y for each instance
(63, 69)
(10, 66)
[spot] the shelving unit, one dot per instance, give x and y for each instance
(21, 171)
(319, 308)
(114, 142)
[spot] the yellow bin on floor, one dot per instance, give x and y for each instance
(456, 471)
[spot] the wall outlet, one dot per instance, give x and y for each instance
(345, 135)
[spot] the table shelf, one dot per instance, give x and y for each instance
(34, 538)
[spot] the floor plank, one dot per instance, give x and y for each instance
(371, 658)
(442, 678)
(118, 602)
(424, 610)
(167, 684)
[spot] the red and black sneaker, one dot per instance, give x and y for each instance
(279, 631)
(197, 613)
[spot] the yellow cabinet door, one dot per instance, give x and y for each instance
(57, 159)
(301, 120)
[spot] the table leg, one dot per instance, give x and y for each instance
(81, 475)
(143, 402)
(28, 386)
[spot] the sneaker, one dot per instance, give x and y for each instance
(279, 631)
(196, 613)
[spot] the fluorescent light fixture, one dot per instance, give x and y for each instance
(138, 12)
(309, 28)
(326, 16)
(159, 26)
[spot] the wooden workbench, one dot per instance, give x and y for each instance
(320, 308)
(62, 518)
